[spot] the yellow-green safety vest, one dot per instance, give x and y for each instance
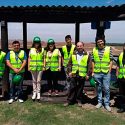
(36, 60)
(16, 63)
(53, 61)
(2, 63)
(121, 67)
(103, 64)
(66, 56)
(82, 67)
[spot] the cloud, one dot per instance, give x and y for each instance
(110, 1)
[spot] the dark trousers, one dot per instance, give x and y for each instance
(16, 90)
(121, 83)
(76, 89)
(52, 79)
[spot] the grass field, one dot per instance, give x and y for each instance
(30, 113)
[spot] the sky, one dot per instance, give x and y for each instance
(116, 34)
(61, 2)
(59, 31)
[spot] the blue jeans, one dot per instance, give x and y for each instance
(16, 91)
(103, 83)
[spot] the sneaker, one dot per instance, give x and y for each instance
(34, 96)
(20, 100)
(79, 104)
(108, 108)
(121, 110)
(38, 96)
(11, 101)
(56, 92)
(99, 105)
(66, 104)
(49, 92)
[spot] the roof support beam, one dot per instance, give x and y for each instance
(77, 30)
(25, 35)
(4, 47)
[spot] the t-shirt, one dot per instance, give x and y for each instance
(101, 52)
(8, 56)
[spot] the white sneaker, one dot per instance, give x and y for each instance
(99, 105)
(34, 95)
(10, 101)
(38, 96)
(108, 108)
(20, 100)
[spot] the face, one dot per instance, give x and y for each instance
(68, 41)
(36, 45)
(100, 44)
(80, 47)
(16, 47)
(51, 47)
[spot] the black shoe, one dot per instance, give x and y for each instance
(121, 110)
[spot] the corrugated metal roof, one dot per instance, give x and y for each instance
(69, 3)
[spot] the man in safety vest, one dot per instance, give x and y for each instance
(101, 69)
(2, 64)
(67, 51)
(78, 69)
(16, 61)
(120, 73)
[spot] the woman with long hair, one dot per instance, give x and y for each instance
(35, 66)
(53, 66)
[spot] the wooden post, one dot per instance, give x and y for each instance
(77, 30)
(25, 36)
(4, 47)
(100, 29)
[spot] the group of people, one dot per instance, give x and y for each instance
(79, 66)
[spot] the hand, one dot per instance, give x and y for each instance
(92, 73)
(59, 68)
(16, 70)
(70, 74)
(44, 68)
(87, 77)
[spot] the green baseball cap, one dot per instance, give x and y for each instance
(51, 41)
(36, 39)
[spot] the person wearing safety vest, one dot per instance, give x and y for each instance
(120, 73)
(35, 66)
(2, 64)
(53, 66)
(77, 69)
(67, 51)
(16, 61)
(101, 71)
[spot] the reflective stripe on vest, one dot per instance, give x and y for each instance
(16, 63)
(36, 60)
(2, 64)
(103, 64)
(53, 62)
(66, 56)
(121, 67)
(82, 67)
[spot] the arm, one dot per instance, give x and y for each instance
(59, 61)
(89, 67)
(10, 66)
(69, 67)
(23, 65)
(110, 67)
(44, 61)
